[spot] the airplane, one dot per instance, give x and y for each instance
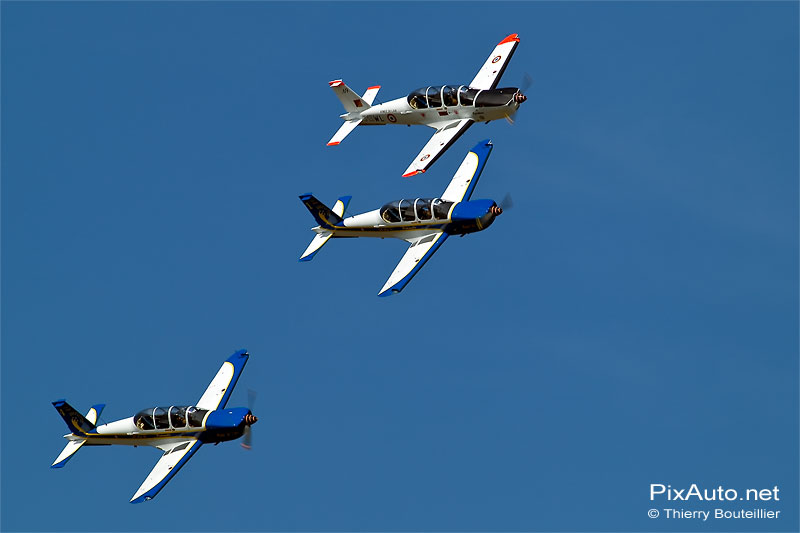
(449, 109)
(425, 223)
(178, 431)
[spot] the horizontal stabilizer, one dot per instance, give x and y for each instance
(341, 206)
(94, 413)
(370, 94)
(69, 450)
(343, 131)
(316, 243)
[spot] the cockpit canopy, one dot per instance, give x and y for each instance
(177, 417)
(421, 209)
(453, 95)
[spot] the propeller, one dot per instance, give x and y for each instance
(527, 81)
(506, 203)
(249, 420)
(520, 97)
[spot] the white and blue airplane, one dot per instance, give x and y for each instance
(449, 109)
(178, 431)
(425, 223)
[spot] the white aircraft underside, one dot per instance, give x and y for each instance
(449, 109)
(425, 223)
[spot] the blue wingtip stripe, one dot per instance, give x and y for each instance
(482, 150)
(238, 360)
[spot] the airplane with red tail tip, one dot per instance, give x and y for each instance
(178, 431)
(449, 109)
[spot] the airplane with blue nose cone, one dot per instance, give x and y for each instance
(177, 430)
(425, 223)
(448, 109)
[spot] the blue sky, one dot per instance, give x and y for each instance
(633, 320)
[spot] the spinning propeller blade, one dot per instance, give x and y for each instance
(506, 203)
(527, 81)
(247, 438)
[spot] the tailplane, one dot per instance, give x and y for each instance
(79, 425)
(67, 453)
(353, 105)
(351, 101)
(327, 220)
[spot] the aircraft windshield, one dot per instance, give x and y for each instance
(144, 420)
(166, 417)
(391, 212)
(417, 99)
(495, 97)
(419, 209)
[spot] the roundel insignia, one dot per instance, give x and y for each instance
(424, 157)
(496, 59)
(391, 118)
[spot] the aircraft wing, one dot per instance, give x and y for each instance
(421, 249)
(445, 135)
(489, 74)
(221, 387)
(466, 177)
(176, 454)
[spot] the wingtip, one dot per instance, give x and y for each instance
(514, 37)
(413, 173)
(333, 143)
(335, 83)
(373, 87)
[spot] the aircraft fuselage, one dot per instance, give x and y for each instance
(399, 111)
(215, 426)
(461, 218)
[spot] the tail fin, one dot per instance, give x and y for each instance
(353, 105)
(352, 102)
(79, 425)
(76, 422)
(324, 216)
(322, 213)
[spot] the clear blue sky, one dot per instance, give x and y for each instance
(633, 320)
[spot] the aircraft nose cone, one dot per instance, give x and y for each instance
(519, 98)
(250, 419)
(496, 210)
